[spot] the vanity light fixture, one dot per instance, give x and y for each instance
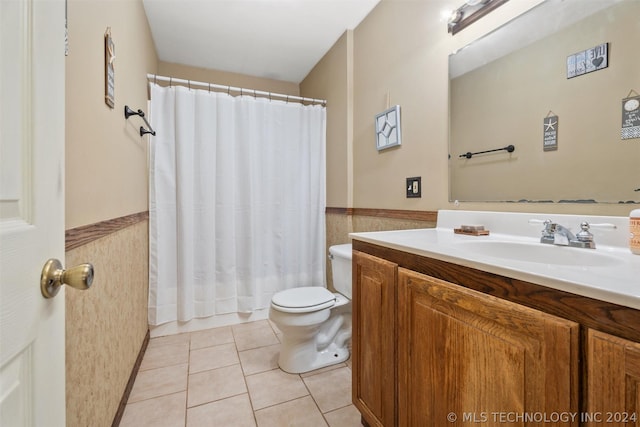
(469, 12)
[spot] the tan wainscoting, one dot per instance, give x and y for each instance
(106, 325)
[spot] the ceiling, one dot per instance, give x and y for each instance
(275, 39)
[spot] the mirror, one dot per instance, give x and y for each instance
(503, 86)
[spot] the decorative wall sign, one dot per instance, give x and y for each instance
(109, 57)
(587, 61)
(387, 125)
(630, 117)
(550, 132)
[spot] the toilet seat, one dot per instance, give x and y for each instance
(305, 299)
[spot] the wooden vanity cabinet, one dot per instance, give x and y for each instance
(473, 358)
(613, 381)
(435, 341)
(373, 339)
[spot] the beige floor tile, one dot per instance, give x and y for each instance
(275, 328)
(170, 340)
(260, 359)
(208, 358)
(159, 382)
(247, 326)
(234, 411)
(344, 417)
(257, 336)
(349, 363)
(164, 411)
(331, 390)
(296, 413)
(215, 384)
(322, 370)
(220, 376)
(273, 387)
(211, 337)
(159, 356)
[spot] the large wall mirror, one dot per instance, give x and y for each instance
(504, 85)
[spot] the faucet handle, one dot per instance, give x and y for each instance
(584, 235)
(549, 228)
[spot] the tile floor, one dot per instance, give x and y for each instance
(229, 377)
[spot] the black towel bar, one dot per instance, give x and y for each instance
(468, 155)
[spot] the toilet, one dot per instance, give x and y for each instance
(315, 322)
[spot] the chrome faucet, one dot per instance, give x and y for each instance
(556, 234)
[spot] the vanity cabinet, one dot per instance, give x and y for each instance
(373, 338)
(437, 344)
(613, 380)
(472, 358)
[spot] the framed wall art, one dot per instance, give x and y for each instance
(387, 126)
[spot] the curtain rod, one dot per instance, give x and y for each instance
(189, 83)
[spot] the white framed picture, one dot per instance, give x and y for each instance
(387, 125)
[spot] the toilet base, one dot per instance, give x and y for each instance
(327, 357)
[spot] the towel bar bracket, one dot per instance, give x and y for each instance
(128, 112)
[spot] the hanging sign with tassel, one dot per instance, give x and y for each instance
(631, 116)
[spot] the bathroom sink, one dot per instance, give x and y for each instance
(539, 253)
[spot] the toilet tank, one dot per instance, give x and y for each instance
(341, 267)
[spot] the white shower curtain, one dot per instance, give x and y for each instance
(236, 202)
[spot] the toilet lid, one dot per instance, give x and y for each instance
(303, 300)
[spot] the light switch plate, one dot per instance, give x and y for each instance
(414, 187)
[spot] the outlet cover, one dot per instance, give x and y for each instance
(414, 187)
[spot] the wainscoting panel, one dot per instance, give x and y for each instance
(106, 324)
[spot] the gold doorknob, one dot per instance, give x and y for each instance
(54, 276)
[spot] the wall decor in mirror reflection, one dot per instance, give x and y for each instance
(503, 83)
(631, 117)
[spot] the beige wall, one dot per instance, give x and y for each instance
(169, 69)
(106, 159)
(333, 80)
(400, 53)
(106, 178)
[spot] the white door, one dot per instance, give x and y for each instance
(32, 352)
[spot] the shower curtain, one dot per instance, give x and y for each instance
(236, 202)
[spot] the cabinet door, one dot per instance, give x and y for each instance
(613, 381)
(373, 352)
(466, 358)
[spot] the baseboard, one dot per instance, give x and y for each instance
(132, 379)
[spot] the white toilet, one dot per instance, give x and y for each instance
(315, 323)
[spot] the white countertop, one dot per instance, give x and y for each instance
(617, 282)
